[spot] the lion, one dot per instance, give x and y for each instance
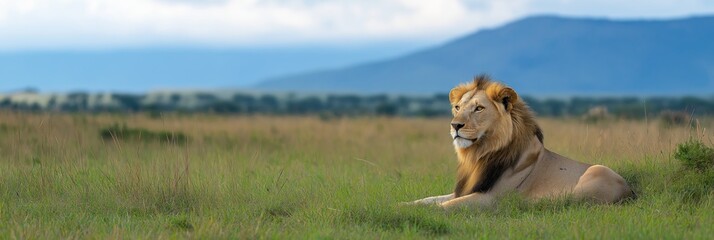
(500, 149)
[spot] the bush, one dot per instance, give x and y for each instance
(122, 132)
(694, 155)
(696, 178)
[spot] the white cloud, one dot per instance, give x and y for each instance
(624, 9)
(31, 24)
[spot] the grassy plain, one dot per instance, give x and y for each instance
(306, 177)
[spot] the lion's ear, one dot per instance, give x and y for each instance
(455, 94)
(507, 97)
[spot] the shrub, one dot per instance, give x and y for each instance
(122, 132)
(696, 178)
(694, 155)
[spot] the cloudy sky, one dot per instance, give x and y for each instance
(78, 24)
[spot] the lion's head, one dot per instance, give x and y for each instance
(482, 113)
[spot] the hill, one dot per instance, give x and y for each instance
(543, 55)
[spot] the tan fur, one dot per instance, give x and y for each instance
(500, 149)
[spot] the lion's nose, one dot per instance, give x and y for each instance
(457, 126)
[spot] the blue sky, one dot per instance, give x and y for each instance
(102, 24)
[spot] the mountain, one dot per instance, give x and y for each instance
(543, 55)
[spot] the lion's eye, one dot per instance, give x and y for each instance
(478, 109)
(457, 107)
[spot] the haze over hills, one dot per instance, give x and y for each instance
(151, 68)
(543, 55)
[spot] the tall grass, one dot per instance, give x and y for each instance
(306, 177)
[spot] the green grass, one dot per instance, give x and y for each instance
(262, 177)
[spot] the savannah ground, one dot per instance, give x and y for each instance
(307, 177)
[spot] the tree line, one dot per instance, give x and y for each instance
(340, 104)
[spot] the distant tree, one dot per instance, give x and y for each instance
(696, 104)
(245, 103)
(243, 98)
(386, 109)
(128, 102)
(224, 107)
(5, 103)
(630, 100)
(52, 103)
(340, 105)
(377, 99)
(346, 101)
(35, 107)
(268, 103)
(175, 98)
(534, 104)
(206, 97)
(579, 105)
(77, 101)
(307, 105)
(405, 101)
(553, 107)
(441, 97)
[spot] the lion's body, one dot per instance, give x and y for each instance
(500, 150)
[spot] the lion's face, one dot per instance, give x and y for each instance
(481, 116)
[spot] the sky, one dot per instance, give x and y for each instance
(143, 45)
(111, 24)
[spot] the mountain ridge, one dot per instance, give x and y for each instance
(543, 55)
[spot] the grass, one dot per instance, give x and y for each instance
(118, 132)
(306, 177)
